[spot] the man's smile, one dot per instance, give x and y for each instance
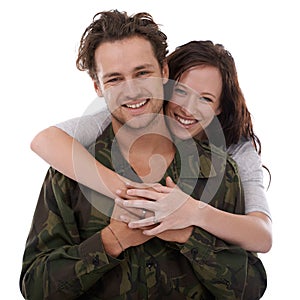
(136, 104)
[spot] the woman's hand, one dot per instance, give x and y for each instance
(122, 192)
(172, 208)
(126, 214)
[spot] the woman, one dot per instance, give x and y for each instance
(209, 70)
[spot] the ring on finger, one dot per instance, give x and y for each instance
(155, 221)
(143, 214)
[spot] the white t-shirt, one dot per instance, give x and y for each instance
(87, 128)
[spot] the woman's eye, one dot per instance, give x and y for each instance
(180, 91)
(205, 99)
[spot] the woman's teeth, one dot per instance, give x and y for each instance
(185, 121)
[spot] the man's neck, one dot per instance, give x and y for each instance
(149, 150)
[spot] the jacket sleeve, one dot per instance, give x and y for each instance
(227, 271)
(57, 264)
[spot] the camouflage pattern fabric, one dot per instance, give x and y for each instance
(64, 256)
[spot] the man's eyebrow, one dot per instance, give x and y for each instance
(138, 68)
(111, 75)
(145, 66)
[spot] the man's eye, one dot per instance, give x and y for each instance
(180, 91)
(113, 80)
(143, 73)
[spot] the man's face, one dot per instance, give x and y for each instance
(131, 81)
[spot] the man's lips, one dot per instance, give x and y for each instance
(136, 105)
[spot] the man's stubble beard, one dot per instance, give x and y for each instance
(148, 126)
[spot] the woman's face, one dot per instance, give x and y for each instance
(195, 101)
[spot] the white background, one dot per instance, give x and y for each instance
(41, 86)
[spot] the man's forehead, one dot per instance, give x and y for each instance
(125, 55)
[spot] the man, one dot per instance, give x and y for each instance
(77, 251)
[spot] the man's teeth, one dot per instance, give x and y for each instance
(136, 105)
(185, 121)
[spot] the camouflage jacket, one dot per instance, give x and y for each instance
(64, 256)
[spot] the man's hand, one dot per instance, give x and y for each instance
(128, 237)
(118, 236)
(179, 235)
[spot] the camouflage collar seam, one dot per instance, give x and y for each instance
(205, 168)
(196, 167)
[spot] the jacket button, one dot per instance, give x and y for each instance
(194, 252)
(149, 264)
(96, 261)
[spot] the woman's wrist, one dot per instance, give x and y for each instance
(199, 213)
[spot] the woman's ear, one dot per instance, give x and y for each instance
(98, 89)
(218, 111)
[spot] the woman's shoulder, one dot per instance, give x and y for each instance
(244, 146)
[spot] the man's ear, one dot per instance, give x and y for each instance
(98, 89)
(165, 72)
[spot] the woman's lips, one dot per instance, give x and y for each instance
(186, 122)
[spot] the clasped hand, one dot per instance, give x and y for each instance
(157, 209)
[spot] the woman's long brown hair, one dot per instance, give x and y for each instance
(235, 118)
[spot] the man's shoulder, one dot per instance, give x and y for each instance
(104, 140)
(102, 148)
(218, 155)
(224, 191)
(60, 183)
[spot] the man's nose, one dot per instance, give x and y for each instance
(131, 88)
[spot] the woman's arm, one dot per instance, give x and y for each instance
(251, 232)
(69, 157)
(252, 177)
